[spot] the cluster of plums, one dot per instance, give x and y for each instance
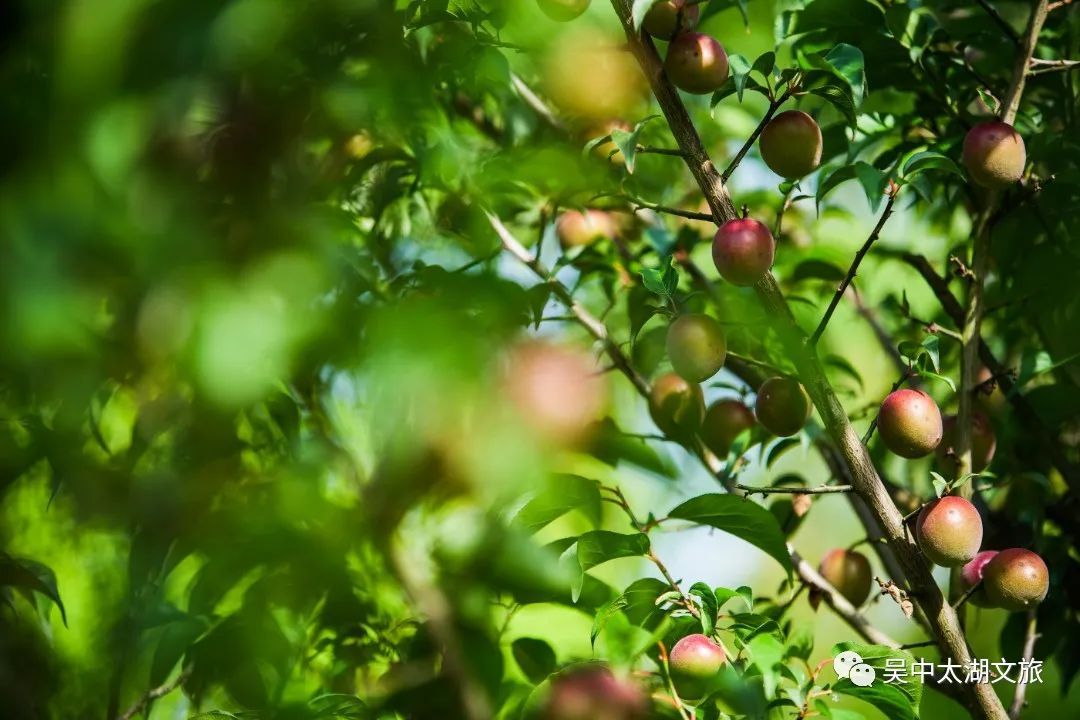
(697, 349)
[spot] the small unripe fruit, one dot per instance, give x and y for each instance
(1016, 579)
(783, 406)
(994, 154)
(556, 390)
(910, 423)
(694, 661)
(576, 229)
(664, 18)
(696, 347)
(564, 10)
(848, 572)
(743, 251)
(983, 444)
(791, 144)
(949, 531)
(593, 693)
(724, 421)
(677, 406)
(972, 573)
(696, 63)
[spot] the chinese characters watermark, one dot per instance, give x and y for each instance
(896, 671)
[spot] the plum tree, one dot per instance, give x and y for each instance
(949, 530)
(696, 346)
(576, 229)
(564, 10)
(724, 421)
(1016, 579)
(667, 17)
(743, 251)
(791, 144)
(910, 423)
(555, 389)
(592, 692)
(849, 572)
(677, 406)
(695, 660)
(783, 406)
(972, 573)
(696, 63)
(983, 443)
(994, 154)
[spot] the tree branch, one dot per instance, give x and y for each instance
(155, 694)
(847, 612)
(1002, 23)
(819, 490)
(886, 213)
(1030, 636)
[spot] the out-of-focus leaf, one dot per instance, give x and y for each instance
(535, 658)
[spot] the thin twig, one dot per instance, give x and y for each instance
(659, 151)
(967, 594)
(774, 105)
(819, 490)
(1001, 21)
(873, 423)
(1030, 636)
(155, 694)
(885, 214)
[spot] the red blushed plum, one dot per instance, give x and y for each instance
(695, 660)
(791, 144)
(949, 531)
(972, 573)
(696, 63)
(743, 251)
(593, 693)
(564, 10)
(994, 154)
(677, 406)
(696, 347)
(783, 406)
(983, 444)
(667, 17)
(848, 572)
(910, 423)
(724, 421)
(575, 228)
(1016, 579)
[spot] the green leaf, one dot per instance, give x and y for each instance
(627, 142)
(560, 495)
(928, 160)
(535, 658)
(873, 182)
(847, 62)
(740, 71)
(599, 546)
(764, 64)
(715, 6)
(663, 280)
(740, 517)
(897, 701)
(940, 484)
(834, 179)
(709, 606)
(31, 576)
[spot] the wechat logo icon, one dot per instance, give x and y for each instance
(849, 664)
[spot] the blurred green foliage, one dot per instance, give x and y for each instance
(260, 431)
